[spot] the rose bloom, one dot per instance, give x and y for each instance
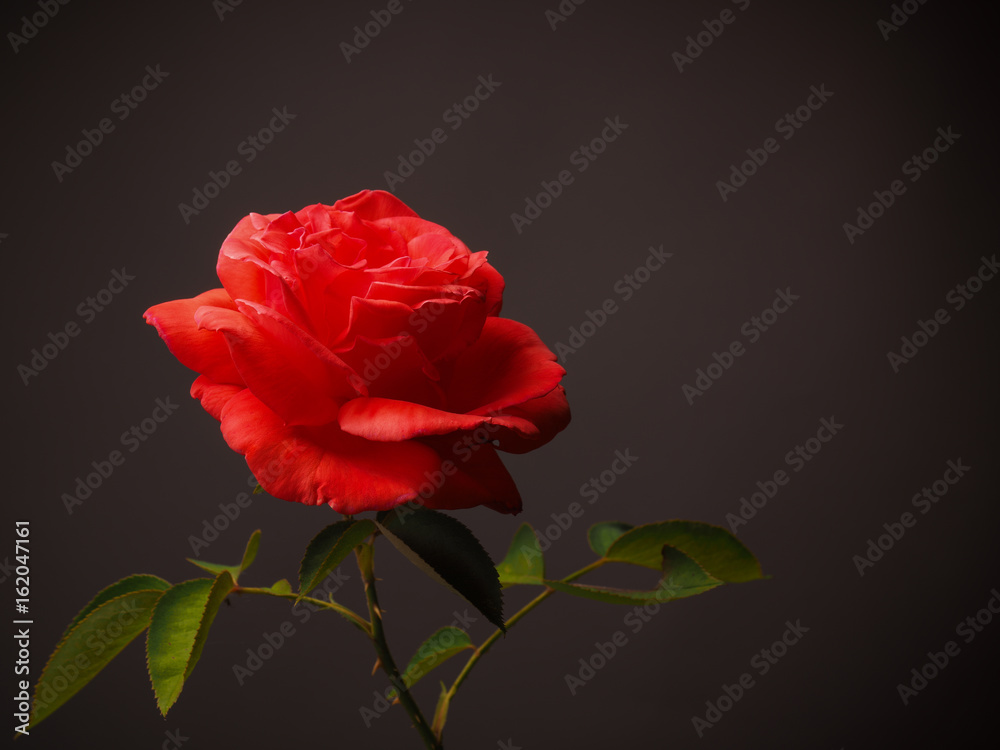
(355, 357)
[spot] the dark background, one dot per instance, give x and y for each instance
(656, 184)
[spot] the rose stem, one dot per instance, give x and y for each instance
(441, 715)
(365, 554)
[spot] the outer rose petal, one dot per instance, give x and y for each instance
(214, 396)
(280, 368)
(479, 478)
(507, 366)
(487, 470)
(374, 204)
(550, 414)
(317, 465)
(386, 419)
(202, 351)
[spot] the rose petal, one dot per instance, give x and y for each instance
(283, 366)
(214, 396)
(395, 368)
(316, 465)
(243, 261)
(203, 351)
(385, 419)
(374, 204)
(550, 415)
(473, 475)
(507, 366)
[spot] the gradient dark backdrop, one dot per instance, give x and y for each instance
(656, 184)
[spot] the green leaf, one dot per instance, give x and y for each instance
(215, 568)
(524, 562)
(449, 553)
(682, 577)
(601, 535)
(90, 644)
(281, 587)
(328, 549)
(249, 554)
(124, 586)
(712, 547)
(178, 631)
(434, 652)
(258, 489)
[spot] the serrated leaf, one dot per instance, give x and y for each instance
(178, 631)
(524, 562)
(682, 577)
(281, 587)
(601, 535)
(215, 568)
(249, 554)
(88, 647)
(141, 582)
(712, 547)
(328, 549)
(434, 652)
(448, 552)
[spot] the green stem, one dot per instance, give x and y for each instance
(353, 617)
(441, 714)
(365, 554)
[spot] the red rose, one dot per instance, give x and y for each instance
(355, 357)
